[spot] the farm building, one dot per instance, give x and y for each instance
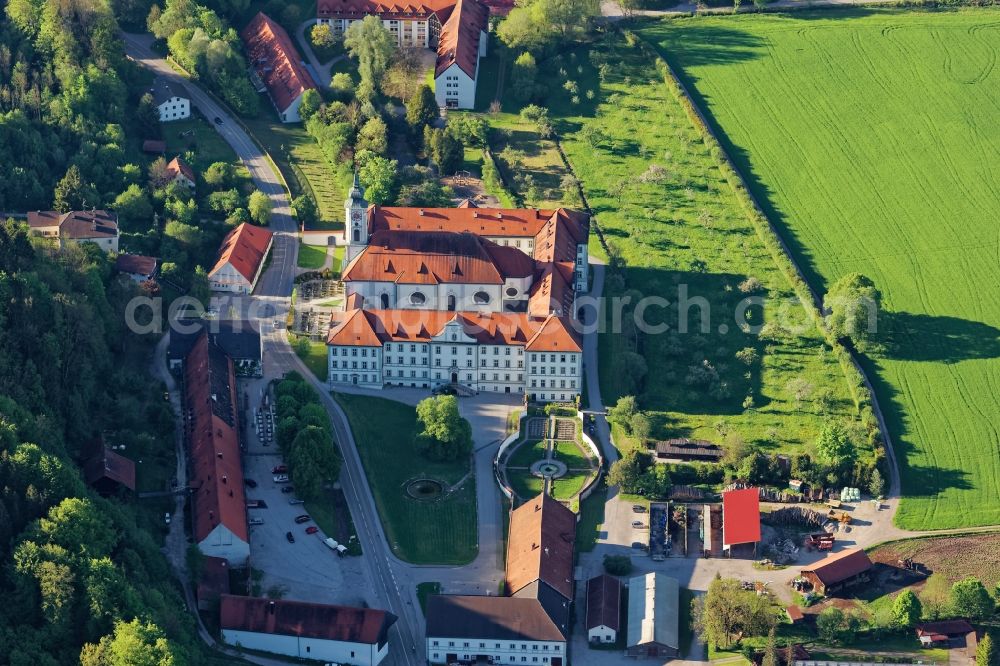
(138, 267)
(180, 172)
(653, 616)
(236, 337)
(604, 599)
(241, 259)
(276, 65)
(77, 226)
(497, 630)
(687, 450)
(540, 556)
(107, 471)
(741, 520)
(836, 572)
(948, 633)
(218, 505)
(322, 632)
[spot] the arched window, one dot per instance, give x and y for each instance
(357, 235)
(451, 302)
(481, 298)
(417, 298)
(385, 301)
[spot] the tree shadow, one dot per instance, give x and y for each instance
(922, 337)
(704, 43)
(692, 364)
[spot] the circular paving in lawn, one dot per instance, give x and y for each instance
(424, 489)
(549, 468)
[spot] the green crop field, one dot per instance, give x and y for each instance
(871, 139)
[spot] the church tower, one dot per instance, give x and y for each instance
(355, 219)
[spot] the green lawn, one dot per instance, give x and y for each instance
(540, 160)
(591, 519)
(312, 256)
(304, 167)
(525, 484)
(572, 455)
(420, 532)
(685, 236)
(569, 486)
(198, 136)
(866, 134)
(526, 454)
(315, 359)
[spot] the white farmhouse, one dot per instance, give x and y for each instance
(604, 598)
(241, 259)
(331, 634)
(462, 44)
(493, 630)
(171, 100)
(99, 227)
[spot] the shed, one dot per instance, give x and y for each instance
(604, 599)
(837, 571)
(942, 633)
(107, 471)
(740, 518)
(795, 614)
(653, 616)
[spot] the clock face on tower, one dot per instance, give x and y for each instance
(356, 216)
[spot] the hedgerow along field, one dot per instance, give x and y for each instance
(660, 197)
(870, 137)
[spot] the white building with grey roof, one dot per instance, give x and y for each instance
(171, 100)
(653, 616)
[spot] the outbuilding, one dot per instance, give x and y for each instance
(241, 259)
(322, 632)
(604, 599)
(838, 571)
(653, 616)
(741, 520)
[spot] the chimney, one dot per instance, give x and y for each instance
(225, 479)
(218, 454)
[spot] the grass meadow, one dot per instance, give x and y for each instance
(870, 137)
(660, 198)
(443, 531)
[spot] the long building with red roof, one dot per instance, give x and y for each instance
(241, 259)
(475, 297)
(455, 29)
(216, 475)
(277, 65)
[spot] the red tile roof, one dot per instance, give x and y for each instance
(552, 290)
(946, 628)
(136, 264)
(499, 7)
(217, 476)
(604, 599)
(740, 516)
(436, 257)
(274, 57)
(244, 247)
(307, 620)
(460, 35)
(540, 546)
(387, 9)
(106, 464)
(372, 328)
(840, 566)
(179, 166)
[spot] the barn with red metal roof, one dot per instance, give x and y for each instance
(740, 518)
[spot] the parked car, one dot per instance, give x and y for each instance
(250, 483)
(296, 500)
(639, 545)
(279, 469)
(638, 524)
(218, 120)
(304, 518)
(256, 504)
(166, 518)
(256, 521)
(288, 489)
(312, 529)
(290, 537)
(281, 478)
(638, 508)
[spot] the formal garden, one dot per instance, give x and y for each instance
(550, 457)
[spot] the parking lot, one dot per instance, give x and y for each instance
(307, 569)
